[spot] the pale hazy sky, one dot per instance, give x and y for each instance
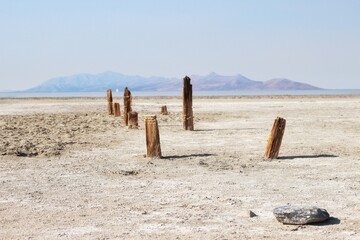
(312, 41)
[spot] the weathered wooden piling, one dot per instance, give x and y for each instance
(127, 105)
(109, 99)
(274, 141)
(152, 137)
(133, 120)
(110, 108)
(188, 122)
(116, 109)
(164, 110)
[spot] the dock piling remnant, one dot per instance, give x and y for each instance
(164, 110)
(116, 109)
(109, 99)
(152, 137)
(127, 105)
(274, 141)
(188, 122)
(133, 120)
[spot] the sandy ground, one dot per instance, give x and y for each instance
(68, 170)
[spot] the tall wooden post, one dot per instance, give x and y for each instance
(133, 120)
(116, 109)
(109, 99)
(274, 141)
(152, 137)
(127, 105)
(188, 122)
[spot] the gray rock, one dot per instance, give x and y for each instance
(300, 215)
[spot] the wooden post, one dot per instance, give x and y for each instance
(109, 101)
(274, 141)
(116, 109)
(188, 122)
(109, 95)
(127, 105)
(164, 110)
(110, 108)
(133, 120)
(152, 137)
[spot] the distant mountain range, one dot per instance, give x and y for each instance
(210, 82)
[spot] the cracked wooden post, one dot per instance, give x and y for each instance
(133, 120)
(109, 99)
(127, 105)
(274, 141)
(152, 137)
(116, 109)
(164, 110)
(188, 122)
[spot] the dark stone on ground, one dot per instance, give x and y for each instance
(252, 214)
(297, 215)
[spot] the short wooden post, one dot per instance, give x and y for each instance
(116, 109)
(274, 141)
(127, 105)
(188, 122)
(109, 99)
(164, 110)
(152, 137)
(133, 120)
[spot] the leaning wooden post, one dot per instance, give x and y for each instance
(274, 141)
(109, 99)
(152, 137)
(133, 120)
(164, 110)
(127, 105)
(116, 109)
(188, 122)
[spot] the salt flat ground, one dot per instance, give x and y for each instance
(82, 175)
